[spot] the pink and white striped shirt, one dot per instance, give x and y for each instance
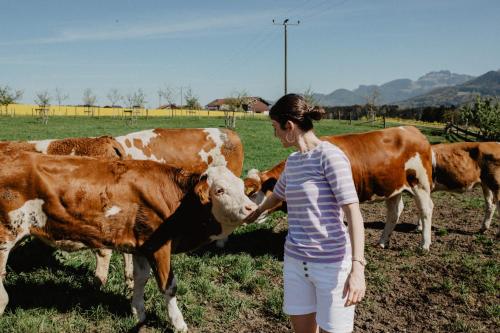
(316, 185)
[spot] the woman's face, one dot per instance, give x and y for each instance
(282, 134)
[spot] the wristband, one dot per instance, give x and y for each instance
(362, 261)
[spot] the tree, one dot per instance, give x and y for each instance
(191, 100)
(114, 97)
(168, 94)
(309, 97)
(371, 104)
(235, 104)
(7, 96)
(43, 99)
(136, 99)
(483, 113)
(60, 96)
(89, 99)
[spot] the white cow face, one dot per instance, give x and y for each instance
(230, 205)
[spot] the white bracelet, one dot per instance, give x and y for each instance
(360, 260)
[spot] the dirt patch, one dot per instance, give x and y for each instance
(452, 288)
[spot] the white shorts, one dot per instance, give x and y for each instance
(317, 288)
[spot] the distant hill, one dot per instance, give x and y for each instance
(393, 91)
(487, 84)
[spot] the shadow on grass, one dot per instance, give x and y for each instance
(400, 227)
(255, 243)
(152, 321)
(61, 287)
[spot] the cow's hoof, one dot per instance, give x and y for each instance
(220, 243)
(139, 314)
(425, 247)
(180, 326)
(383, 245)
(99, 282)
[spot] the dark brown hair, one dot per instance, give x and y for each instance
(294, 107)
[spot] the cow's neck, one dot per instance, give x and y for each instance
(188, 228)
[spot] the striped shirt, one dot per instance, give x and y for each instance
(315, 185)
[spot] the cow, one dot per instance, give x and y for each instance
(460, 166)
(384, 164)
(149, 209)
(103, 146)
(193, 149)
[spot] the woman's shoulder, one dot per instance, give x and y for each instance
(331, 149)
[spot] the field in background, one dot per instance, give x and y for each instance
(15, 110)
(454, 288)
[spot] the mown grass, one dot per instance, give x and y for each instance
(238, 288)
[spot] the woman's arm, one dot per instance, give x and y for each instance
(270, 202)
(355, 286)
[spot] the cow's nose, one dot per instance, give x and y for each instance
(250, 207)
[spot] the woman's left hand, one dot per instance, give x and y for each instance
(355, 286)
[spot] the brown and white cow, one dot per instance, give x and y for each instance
(384, 164)
(103, 146)
(142, 207)
(460, 166)
(192, 149)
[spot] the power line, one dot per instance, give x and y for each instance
(285, 24)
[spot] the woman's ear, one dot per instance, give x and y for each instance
(289, 125)
(202, 190)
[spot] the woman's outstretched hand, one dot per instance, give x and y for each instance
(253, 216)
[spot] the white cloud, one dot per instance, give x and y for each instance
(147, 30)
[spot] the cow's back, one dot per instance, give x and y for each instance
(103, 146)
(380, 160)
(459, 166)
(189, 148)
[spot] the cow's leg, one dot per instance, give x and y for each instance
(220, 243)
(102, 259)
(167, 285)
(489, 208)
(394, 208)
(128, 269)
(498, 209)
(141, 275)
(174, 314)
(4, 254)
(425, 207)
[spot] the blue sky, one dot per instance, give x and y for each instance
(219, 48)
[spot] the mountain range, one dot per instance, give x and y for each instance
(432, 89)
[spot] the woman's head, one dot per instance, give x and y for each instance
(294, 108)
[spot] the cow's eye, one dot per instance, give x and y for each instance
(219, 191)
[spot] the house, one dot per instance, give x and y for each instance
(255, 104)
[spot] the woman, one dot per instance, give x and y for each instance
(324, 261)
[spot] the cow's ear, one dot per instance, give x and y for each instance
(202, 190)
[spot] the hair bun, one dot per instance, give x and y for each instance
(315, 113)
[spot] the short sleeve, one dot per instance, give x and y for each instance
(279, 188)
(338, 173)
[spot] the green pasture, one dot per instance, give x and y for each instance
(236, 289)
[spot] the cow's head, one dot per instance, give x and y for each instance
(253, 186)
(225, 191)
(258, 186)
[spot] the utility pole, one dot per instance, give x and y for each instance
(285, 24)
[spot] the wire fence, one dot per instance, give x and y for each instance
(15, 110)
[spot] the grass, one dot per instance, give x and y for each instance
(238, 288)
